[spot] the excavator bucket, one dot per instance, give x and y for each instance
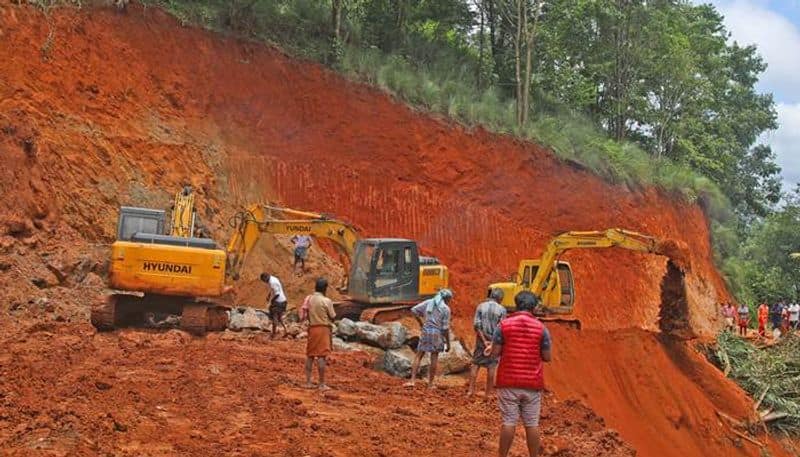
(676, 251)
(570, 321)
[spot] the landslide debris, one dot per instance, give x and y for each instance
(68, 390)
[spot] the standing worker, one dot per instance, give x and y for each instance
(763, 315)
(776, 315)
(435, 337)
(794, 315)
(729, 315)
(277, 302)
(744, 319)
(523, 343)
(301, 245)
(487, 316)
(320, 332)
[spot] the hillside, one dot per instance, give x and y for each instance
(100, 109)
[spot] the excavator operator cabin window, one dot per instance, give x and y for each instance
(132, 224)
(387, 266)
(526, 277)
(364, 260)
(388, 262)
(567, 285)
(408, 265)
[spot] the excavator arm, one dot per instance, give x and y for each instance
(250, 223)
(183, 216)
(614, 237)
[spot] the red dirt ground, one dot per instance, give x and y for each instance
(113, 109)
(70, 391)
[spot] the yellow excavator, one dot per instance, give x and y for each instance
(551, 279)
(175, 272)
(384, 275)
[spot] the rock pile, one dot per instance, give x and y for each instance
(389, 344)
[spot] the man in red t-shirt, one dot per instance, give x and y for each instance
(523, 344)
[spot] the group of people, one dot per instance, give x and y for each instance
(782, 316)
(511, 347)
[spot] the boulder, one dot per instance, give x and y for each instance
(248, 318)
(341, 345)
(397, 362)
(457, 360)
(413, 330)
(346, 328)
(386, 336)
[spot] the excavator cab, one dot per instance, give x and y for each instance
(558, 292)
(385, 270)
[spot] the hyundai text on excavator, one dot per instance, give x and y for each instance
(175, 272)
(551, 279)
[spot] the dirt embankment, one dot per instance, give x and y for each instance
(99, 109)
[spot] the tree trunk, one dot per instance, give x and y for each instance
(481, 32)
(530, 40)
(517, 60)
(336, 18)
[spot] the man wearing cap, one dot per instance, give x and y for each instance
(523, 344)
(435, 335)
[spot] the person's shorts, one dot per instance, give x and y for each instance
(516, 404)
(729, 322)
(481, 360)
(300, 253)
(276, 310)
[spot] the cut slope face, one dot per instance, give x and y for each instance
(161, 106)
(124, 109)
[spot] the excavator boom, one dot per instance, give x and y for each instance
(551, 279)
(613, 237)
(250, 223)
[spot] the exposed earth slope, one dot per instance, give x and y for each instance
(100, 109)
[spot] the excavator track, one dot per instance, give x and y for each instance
(200, 317)
(348, 309)
(381, 315)
(376, 315)
(103, 315)
(194, 318)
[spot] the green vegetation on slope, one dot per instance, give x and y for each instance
(773, 372)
